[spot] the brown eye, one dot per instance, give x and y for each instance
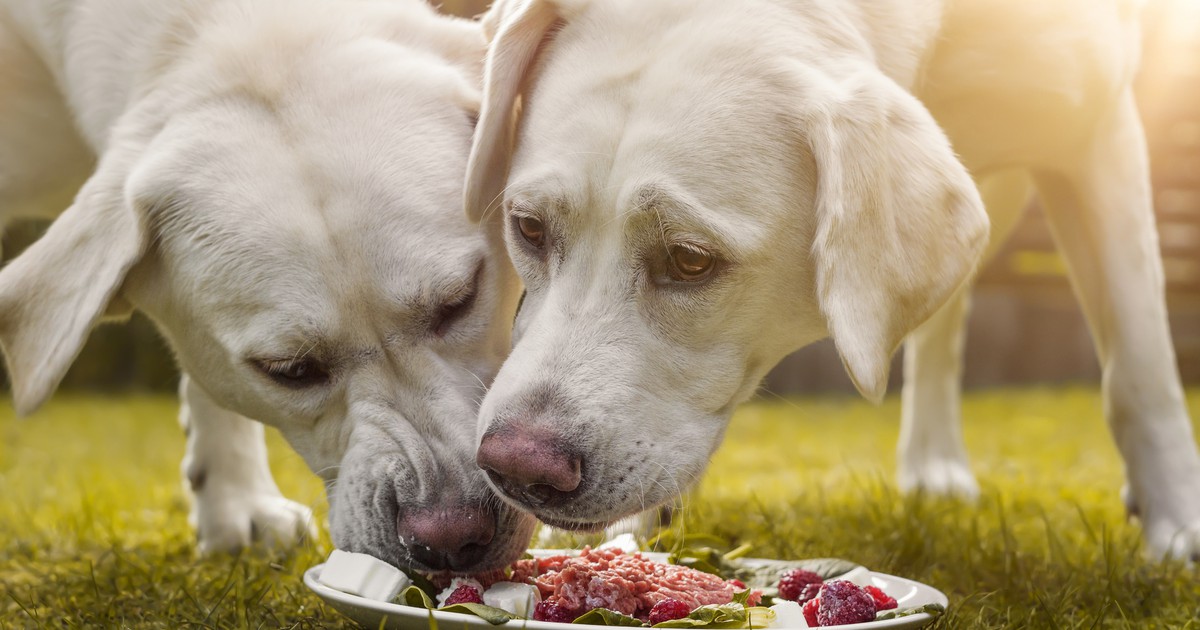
(532, 230)
(689, 264)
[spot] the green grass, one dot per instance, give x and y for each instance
(93, 527)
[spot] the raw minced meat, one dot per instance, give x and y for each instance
(626, 583)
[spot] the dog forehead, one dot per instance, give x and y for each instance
(237, 191)
(693, 129)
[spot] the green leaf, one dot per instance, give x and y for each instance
(415, 596)
(723, 616)
(606, 617)
(490, 614)
(933, 610)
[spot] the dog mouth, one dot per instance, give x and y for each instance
(581, 527)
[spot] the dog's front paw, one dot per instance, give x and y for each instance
(1173, 532)
(231, 523)
(939, 477)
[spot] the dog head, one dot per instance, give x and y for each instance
(690, 191)
(285, 203)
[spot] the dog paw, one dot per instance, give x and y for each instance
(1173, 540)
(939, 477)
(241, 521)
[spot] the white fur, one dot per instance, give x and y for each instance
(808, 144)
(270, 181)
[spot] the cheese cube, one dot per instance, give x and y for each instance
(788, 615)
(517, 599)
(363, 575)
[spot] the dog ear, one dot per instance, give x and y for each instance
(56, 290)
(900, 224)
(517, 29)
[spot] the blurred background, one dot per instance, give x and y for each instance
(1025, 326)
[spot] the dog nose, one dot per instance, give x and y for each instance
(530, 466)
(447, 538)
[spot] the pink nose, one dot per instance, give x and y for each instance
(444, 538)
(531, 466)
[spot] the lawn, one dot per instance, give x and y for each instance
(93, 528)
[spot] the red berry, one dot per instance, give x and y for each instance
(792, 583)
(464, 594)
(844, 602)
(883, 601)
(549, 611)
(810, 592)
(668, 609)
(810, 612)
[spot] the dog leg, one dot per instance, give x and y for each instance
(931, 455)
(1100, 211)
(235, 499)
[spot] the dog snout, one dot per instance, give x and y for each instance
(531, 466)
(447, 539)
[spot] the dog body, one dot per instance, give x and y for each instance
(692, 190)
(276, 184)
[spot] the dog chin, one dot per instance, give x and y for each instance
(580, 527)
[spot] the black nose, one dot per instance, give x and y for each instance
(531, 466)
(447, 539)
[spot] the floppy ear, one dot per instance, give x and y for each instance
(519, 26)
(56, 290)
(900, 224)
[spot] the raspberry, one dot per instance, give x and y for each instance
(883, 601)
(810, 612)
(792, 583)
(810, 592)
(549, 611)
(844, 602)
(668, 609)
(464, 594)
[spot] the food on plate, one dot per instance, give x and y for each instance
(363, 575)
(793, 584)
(615, 586)
(625, 583)
(841, 602)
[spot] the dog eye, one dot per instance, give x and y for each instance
(294, 372)
(532, 230)
(451, 312)
(690, 263)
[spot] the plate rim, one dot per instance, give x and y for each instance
(312, 574)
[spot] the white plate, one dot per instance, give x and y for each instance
(374, 614)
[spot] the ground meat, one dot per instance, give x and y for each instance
(625, 583)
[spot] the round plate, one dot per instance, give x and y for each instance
(374, 614)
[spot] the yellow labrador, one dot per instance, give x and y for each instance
(277, 184)
(692, 189)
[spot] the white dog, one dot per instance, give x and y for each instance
(278, 185)
(693, 189)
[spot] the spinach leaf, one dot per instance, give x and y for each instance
(606, 617)
(723, 616)
(490, 614)
(934, 610)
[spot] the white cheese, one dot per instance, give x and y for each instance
(788, 615)
(517, 599)
(362, 575)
